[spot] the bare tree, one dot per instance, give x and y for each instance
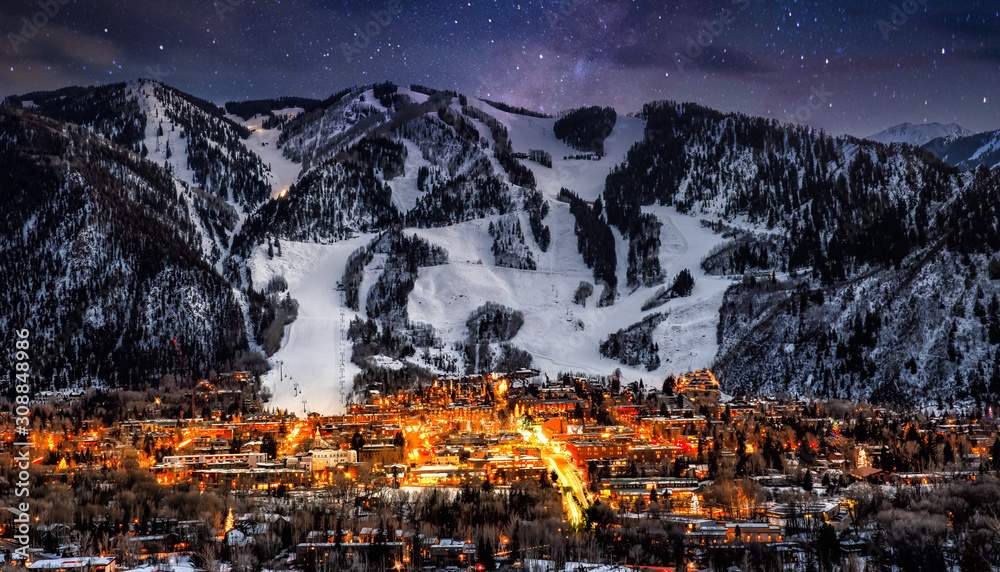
(206, 554)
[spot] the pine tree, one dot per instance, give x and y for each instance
(993, 312)
(952, 350)
(994, 387)
(683, 283)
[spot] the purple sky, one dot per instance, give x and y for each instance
(848, 67)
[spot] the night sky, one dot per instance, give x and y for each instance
(853, 66)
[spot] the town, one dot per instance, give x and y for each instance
(510, 471)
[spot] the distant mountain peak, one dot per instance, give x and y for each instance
(969, 152)
(919, 133)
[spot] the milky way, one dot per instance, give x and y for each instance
(848, 67)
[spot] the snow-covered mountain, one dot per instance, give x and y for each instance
(103, 261)
(919, 134)
(416, 232)
(950, 142)
(968, 153)
(206, 152)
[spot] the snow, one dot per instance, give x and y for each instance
(585, 178)
(444, 296)
(414, 96)
(919, 134)
(987, 148)
(157, 146)
(312, 345)
(687, 338)
(416, 491)
(404, 188)
(152, 108)
(264, 142)
(174, 563)
(560, 335)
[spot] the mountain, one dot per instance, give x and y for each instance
(844, 290)
(204, 178)
(919, 134)
(970, 152)
(103, 262)
(951, 143)
(205, 151)
(393, 234)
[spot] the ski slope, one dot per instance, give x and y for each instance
(264, 142)
(585, 178)
(687, 338)
(313, 344)
(561, 336)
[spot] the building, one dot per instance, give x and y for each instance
(710, 532)
(250, 460)
(701, 386)
(322, 459)
(674, 427)
(654, 453)
(584, 450)
(260, 479)
(448, 552)
(320, 555)
(752, 532)
(378, 455)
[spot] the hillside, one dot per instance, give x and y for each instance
(206, 152)
(103, 262)
(881, 260)
(362, 234)
(970, 152)
(919, 134)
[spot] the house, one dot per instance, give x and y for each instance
(583, 450)
(449, 552)
(701, 386)
(753, 532)
(325, 458)
(381, 454)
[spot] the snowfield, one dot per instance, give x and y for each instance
(264, 142)
(687, 337)
(405, 193)
(583, 177)
(312, 346)
(560, 335)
